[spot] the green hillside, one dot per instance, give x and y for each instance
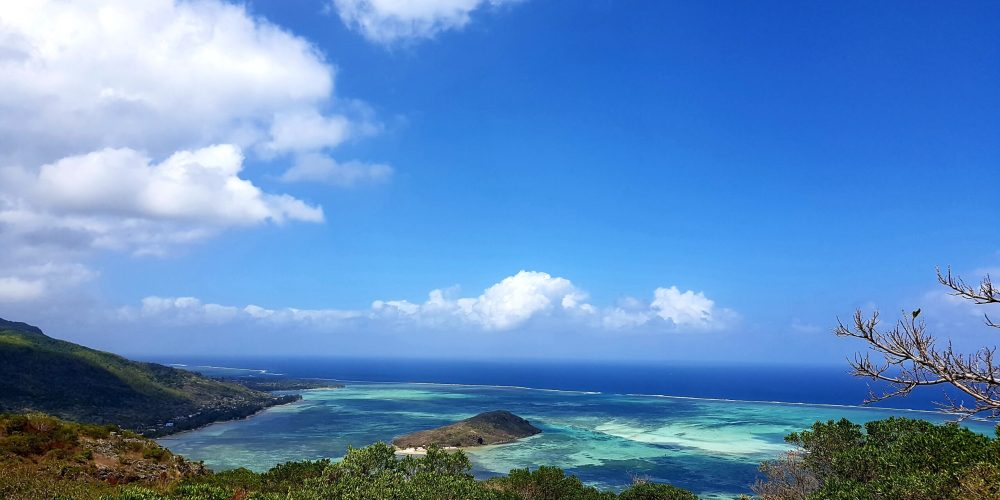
(39, 373)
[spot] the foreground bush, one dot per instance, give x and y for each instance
(886, 459)
(654, 491)
(44, 457)
(376, 472)
(898, 458)
(545, 483)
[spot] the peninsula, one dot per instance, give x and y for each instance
(41, 374)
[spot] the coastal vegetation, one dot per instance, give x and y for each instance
(39, 373)
(44, 457)
(884, 459)
(897, 457)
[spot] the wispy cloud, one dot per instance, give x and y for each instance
(802, 327)
(389, 21)
(321, 168)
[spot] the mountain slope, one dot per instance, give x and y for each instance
(39, 373)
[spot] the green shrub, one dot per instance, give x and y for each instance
(546, 483)
(97, 431)
(441, 462)
(205, 492)
(897, 458)
(825, 441)
(295, 471)
(230, 480)
(653, 491)
(35, 434)
(25, 482)
(42, 458)
(135, 493)
(376, 472)
(981, 482)
(155, 453)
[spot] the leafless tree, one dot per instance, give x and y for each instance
(908, 356)
(785, 478)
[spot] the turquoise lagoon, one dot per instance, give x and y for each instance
(710, 446)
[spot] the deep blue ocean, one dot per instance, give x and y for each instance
(829, 384)
(702, 427)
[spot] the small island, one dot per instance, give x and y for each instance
(493, 427)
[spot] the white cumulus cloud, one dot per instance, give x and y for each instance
(34, 281)
(306, 131)
(513, 303)
(387, 21)
(187, 308)
(687, 310)
(15, 289)
(125, 126)
(202, 186)
(682, 308)
(157, 75)
(505, 305)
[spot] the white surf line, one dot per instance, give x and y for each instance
(258, 370)
(568, 391)
(693, 398)
(793, 403)
(448, 384)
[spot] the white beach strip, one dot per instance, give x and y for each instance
(420, 450)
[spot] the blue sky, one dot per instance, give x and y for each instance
(778, 164)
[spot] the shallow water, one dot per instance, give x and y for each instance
(711, 447)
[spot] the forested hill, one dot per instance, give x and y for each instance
(39, 373)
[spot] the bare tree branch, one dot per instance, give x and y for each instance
(986, 293)
(785, 479)
(909, 356)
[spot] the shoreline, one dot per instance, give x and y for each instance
(254, 414)
(421, 451)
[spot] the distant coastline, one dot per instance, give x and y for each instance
(582, 392)
(168, 435)
(74, 382)
(274, 386)
(813, 385)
